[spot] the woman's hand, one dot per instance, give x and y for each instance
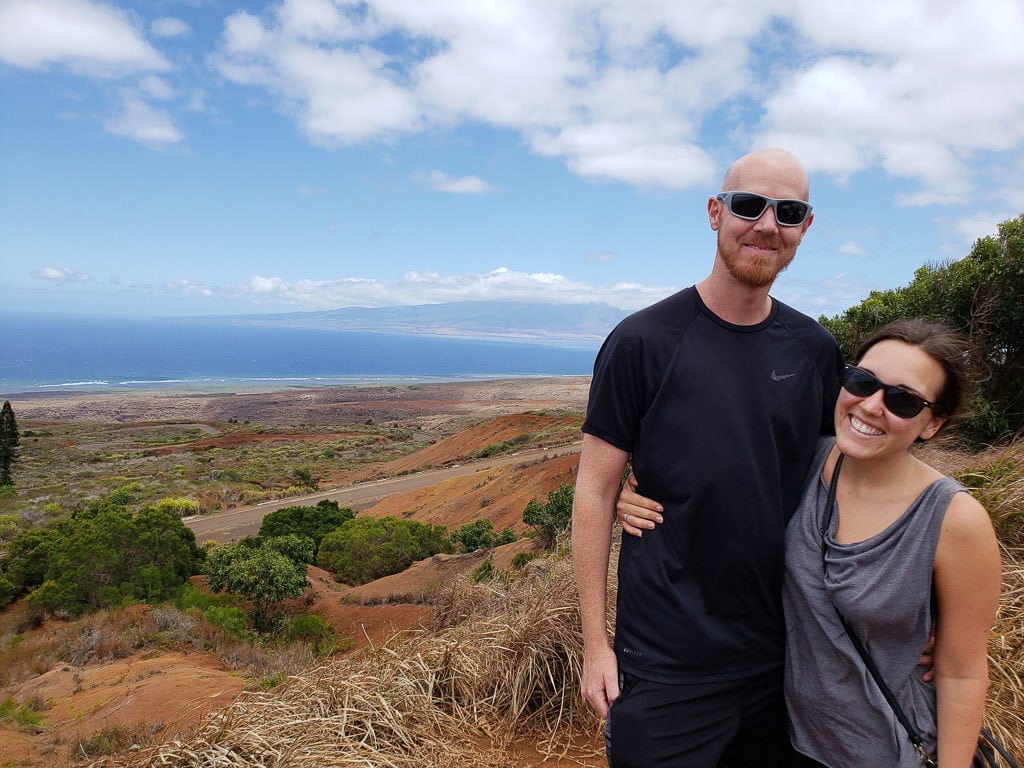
(637, 513)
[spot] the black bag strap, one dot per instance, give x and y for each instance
(982, 756)
(915, 737)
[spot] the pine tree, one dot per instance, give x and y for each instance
(8, 443)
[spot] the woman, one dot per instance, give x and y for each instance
(902, 548)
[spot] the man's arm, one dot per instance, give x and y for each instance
(597, 484)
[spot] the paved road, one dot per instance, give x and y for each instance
(245, 521)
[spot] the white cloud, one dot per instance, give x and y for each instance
(166, 26)
(91, 38)
(188, 288)
(463, 185)
(156, 88)
(601, 257)
(850, 248)
(61, 275)
(500, 284)
(145, 124)
(627, 90)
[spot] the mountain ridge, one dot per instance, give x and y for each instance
(519, 320)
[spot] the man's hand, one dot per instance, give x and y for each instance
(600, 684)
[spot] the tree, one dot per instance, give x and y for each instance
(551, 518)
(8, 443)
(263, 576)
(309, 522)
(101, 557)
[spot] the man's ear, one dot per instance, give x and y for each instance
(714, 213)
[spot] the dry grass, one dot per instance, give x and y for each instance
(1005, 709)
(502, 662)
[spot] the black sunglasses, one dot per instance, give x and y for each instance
(751, 206)
(898, 400)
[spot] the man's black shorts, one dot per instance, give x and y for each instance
(733, 724)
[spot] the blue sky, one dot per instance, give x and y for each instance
(186, 157)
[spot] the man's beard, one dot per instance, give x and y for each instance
(759, 273)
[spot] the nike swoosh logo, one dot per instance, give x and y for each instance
(780, 377)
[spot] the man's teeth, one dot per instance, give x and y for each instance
(863, 428)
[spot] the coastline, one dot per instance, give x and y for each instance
(381, 401)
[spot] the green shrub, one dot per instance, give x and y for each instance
(101, 557)
(231, 620)
(366, 548)
(25, 716)
(178, 505)
(313, 522)
(551, 518)
(476, 535)
(522, 558)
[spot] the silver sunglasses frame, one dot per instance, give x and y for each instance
(772, 202)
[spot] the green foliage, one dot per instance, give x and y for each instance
(261, 576)
(27, 716)
(521, 559)
(551, 518)
(313, 630)
(299, 549)
(9, 525)
(124, 495)
(103, 556)
(178, 505)
(495, 449)
(305, 478)
(188, 597)
(366, 548)
(8, 443)
(476, 535)
(506, 536)
(7, 590)
(310, 522)
(484, 571)
(228, 618)
(981, 295)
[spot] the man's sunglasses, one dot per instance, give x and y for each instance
(751, 206)
(899, 401)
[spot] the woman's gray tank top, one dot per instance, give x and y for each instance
(883, 586)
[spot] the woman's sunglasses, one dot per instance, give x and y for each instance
(899, 401)
(751, 206)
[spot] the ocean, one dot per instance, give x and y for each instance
(54, 353)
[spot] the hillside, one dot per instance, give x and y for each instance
(114, 688)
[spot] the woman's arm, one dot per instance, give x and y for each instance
(967, 582)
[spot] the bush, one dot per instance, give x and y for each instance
(103, 556)
(521, 559)
(231, 620)
(551, 518)
(178, 505)
(299, 549)
(312, 522)
(367, 548)
(476, 535)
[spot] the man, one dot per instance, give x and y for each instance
(717, 395)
